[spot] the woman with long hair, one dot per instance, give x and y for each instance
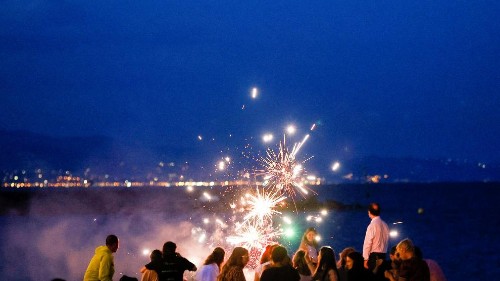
(300, 263)
(341, 263)
(233, 268)
(327, 266)
(356, 270)
(310, 245)
(211, 267)
(265, 261)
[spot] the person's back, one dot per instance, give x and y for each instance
(101, 267)
(300, 263)
(154, 266)
(376, 238)
(282, 273)
(207, 272)
(173, 268)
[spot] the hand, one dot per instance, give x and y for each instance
(388, 275)
(366, 264)
(307, 258)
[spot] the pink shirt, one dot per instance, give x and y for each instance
(376, 238)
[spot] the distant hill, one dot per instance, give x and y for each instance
(98, 155)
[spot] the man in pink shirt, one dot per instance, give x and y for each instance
(376, 238)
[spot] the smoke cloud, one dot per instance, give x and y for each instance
(58, 236)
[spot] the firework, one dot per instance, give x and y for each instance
(252, 224)
(282, 171)
(253, 235)
(262, 206)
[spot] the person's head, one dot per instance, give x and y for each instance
(326, 258)
(309, 237)
(217, 257)
(239, 257)
(405, 249)
(169, 248)
(112, 243)
(418, 253)
(279, 254)
(344, 253)
(373, 210)
(155, 256)
(354, 260)
(266, 255)
(392, 253)
(299, 263)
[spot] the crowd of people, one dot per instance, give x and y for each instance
(309, 263)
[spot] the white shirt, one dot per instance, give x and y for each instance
(260, 268)
(207, 272)
(376, 238)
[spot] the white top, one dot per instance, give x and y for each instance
(376, 238)
(260, 268)
(313, 253)
(207, 272)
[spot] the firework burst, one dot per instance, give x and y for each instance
(282, 171)
(253, 223)
(262, 206)
(252, 235)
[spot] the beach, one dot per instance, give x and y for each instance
(53, 233)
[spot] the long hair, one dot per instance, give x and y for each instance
(299, 263)
(235, 259)
(326, 263)
(304, 242)
(357, 260)
(266, 255)
(343, 255)
(217, 257)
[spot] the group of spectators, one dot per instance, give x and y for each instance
(309, 263)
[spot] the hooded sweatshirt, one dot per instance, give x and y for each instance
(101, 266)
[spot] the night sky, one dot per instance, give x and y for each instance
(388, 78)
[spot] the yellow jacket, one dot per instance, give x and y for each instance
(101, 266)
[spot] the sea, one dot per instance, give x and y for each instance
(47, 234)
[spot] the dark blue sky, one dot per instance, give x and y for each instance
(390, 78)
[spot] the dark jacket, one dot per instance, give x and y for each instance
(282, 273)
(172, 268)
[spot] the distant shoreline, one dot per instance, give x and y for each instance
(94, 200)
